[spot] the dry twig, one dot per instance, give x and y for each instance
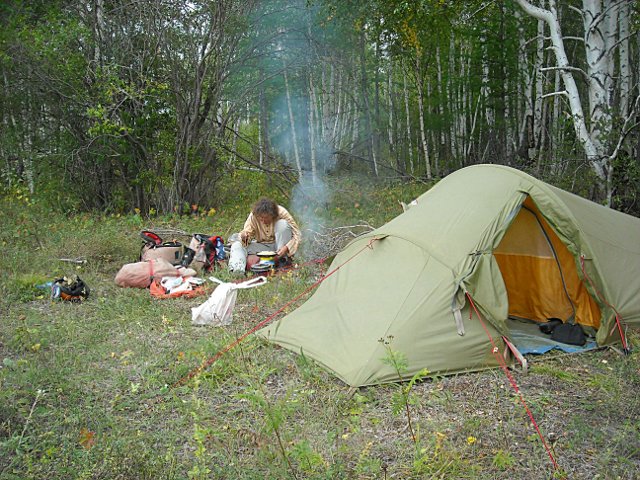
(328, 241)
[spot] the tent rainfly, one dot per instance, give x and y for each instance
(486, 235)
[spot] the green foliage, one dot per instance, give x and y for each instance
(503, 460)
(403, 399)
(309, 461)
(627, 181)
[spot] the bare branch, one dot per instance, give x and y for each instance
(626, 128)
(577, 10)
(567, 68)
(554, 94)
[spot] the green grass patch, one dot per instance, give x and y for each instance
(92, 390)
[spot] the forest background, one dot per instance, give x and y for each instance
(169, 107)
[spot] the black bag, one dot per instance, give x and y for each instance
(548, 326)
(571, 334)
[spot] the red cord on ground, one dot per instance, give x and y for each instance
(496, 352)
(210, 361)
(601, 297)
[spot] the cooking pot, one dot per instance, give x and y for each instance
(262, 268)
(267, 257)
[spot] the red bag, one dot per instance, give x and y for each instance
(153, 247)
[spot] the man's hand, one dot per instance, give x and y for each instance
(244, 238)
(283, 251)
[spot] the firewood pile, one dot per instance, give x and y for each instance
(327, 241)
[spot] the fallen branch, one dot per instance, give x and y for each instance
(328, 241)
(77, 261)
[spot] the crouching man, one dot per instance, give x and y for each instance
(269, 226)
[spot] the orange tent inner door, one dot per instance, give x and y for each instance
(540, 273)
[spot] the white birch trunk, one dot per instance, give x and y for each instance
(312, 130)
(321, 118)
(337, 111)
(390, 107)
(508, 124)
(234, 141)
(452, 99)
(423, 134)
(555, 125)
(260, 147)
(292, 123)
(464, 106)
(486, 90)
(537, 104)
(590, 140)
(526, 93)
(355, 129)
(441, 89)
(625, 69)
(407, 113)
(433, 137)
(99, 32)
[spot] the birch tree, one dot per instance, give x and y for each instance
(594, 128)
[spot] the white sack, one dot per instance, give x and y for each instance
(218, 309)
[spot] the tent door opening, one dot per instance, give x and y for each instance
(540, 274)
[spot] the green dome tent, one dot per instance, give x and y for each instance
(516, 246)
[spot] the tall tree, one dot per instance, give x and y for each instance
(600, 40)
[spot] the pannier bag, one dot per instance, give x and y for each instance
(141, 274)
(70, 288)
(153, 247)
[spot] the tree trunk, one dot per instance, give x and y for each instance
(526, 136)
(591, 140)
(376, 107)
(292, 122)
(539, 81)
(365, 103)
(99, 28)
(312, 130)
(625, 69)
(263, 121)
(441, 103)
(423, 135)
(452, 99)
(408, 116)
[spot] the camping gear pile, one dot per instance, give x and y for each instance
(141, 274)
(486, 244)
(70, 288)
(204, 252)
(161, 262)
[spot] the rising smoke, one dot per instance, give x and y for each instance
(293, 52)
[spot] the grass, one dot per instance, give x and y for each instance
(87, 390)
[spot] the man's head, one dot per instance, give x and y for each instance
(265, 210)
